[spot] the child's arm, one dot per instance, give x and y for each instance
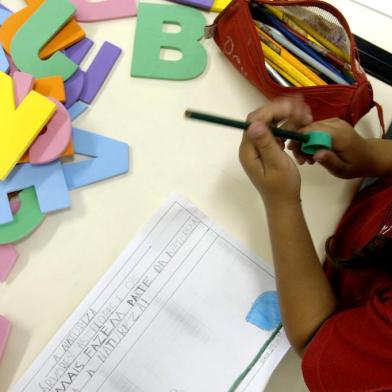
(351, 155)
(381, 152)
(306, 298)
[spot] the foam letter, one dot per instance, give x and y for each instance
(90, 11)
(5, 13)
(219, 5)
(93, 79)
(23, 83)
(110, 158)
(69, 152)
(203, 4)
(99, 70)
(77, 52)
(50, 186)
(8, 253)
(150, 39)
(74, 87)
(52, 86)
(77, 109)
(51, 144)
(35, 33)
(25, 220)
(4, 64)
(19, 127)
(69, 34)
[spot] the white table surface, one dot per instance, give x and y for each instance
(71, 250)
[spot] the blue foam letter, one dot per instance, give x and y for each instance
(49, 183)
(5, 13)
(26, 220)
(4, 64)
(110, 158)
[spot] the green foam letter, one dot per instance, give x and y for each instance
(33, 36)
(150, 39)
(25, 220)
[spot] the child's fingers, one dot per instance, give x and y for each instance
(295, 148)
(293, 109)
(266, 145)
(301, 117)
(331, 162)
(248, 151)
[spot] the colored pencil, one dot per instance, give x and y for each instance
(285, 54)
(286, 66)
(314, 44)
(324, 41)
(276, 75)
(286, 20)
(310, 33)
(304, 46)
(284, 74)
(278, 36)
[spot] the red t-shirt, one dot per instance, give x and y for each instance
(352, 351)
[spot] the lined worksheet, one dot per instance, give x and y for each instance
(169, 315)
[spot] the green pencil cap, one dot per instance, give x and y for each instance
(318, 140)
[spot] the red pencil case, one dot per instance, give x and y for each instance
(234, 32)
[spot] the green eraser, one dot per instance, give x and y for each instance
(317, 141)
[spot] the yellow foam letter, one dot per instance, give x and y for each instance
(19, 126)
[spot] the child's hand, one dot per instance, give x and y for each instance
(270, 169)
(350, 156)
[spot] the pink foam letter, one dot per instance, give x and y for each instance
(8, 253)
(23, 83)
(51, 144)
(89, 11)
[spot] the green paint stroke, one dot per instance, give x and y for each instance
(34, 35)
(150, 39)
(243, 375)
(26, 220)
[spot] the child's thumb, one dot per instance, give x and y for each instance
(265, 143)
(329, 160)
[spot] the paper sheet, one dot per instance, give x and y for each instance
(169, 315)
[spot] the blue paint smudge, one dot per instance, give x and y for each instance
(265, 312)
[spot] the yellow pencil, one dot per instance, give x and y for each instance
(286, 66)
(284, 74)
(286, 19)
(324, 41)
(285, 54)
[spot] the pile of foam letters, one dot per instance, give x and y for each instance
(43, 89)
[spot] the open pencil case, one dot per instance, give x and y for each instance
(235, 33)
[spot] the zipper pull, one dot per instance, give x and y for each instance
(209, 31)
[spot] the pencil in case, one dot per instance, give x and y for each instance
(234, 32)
